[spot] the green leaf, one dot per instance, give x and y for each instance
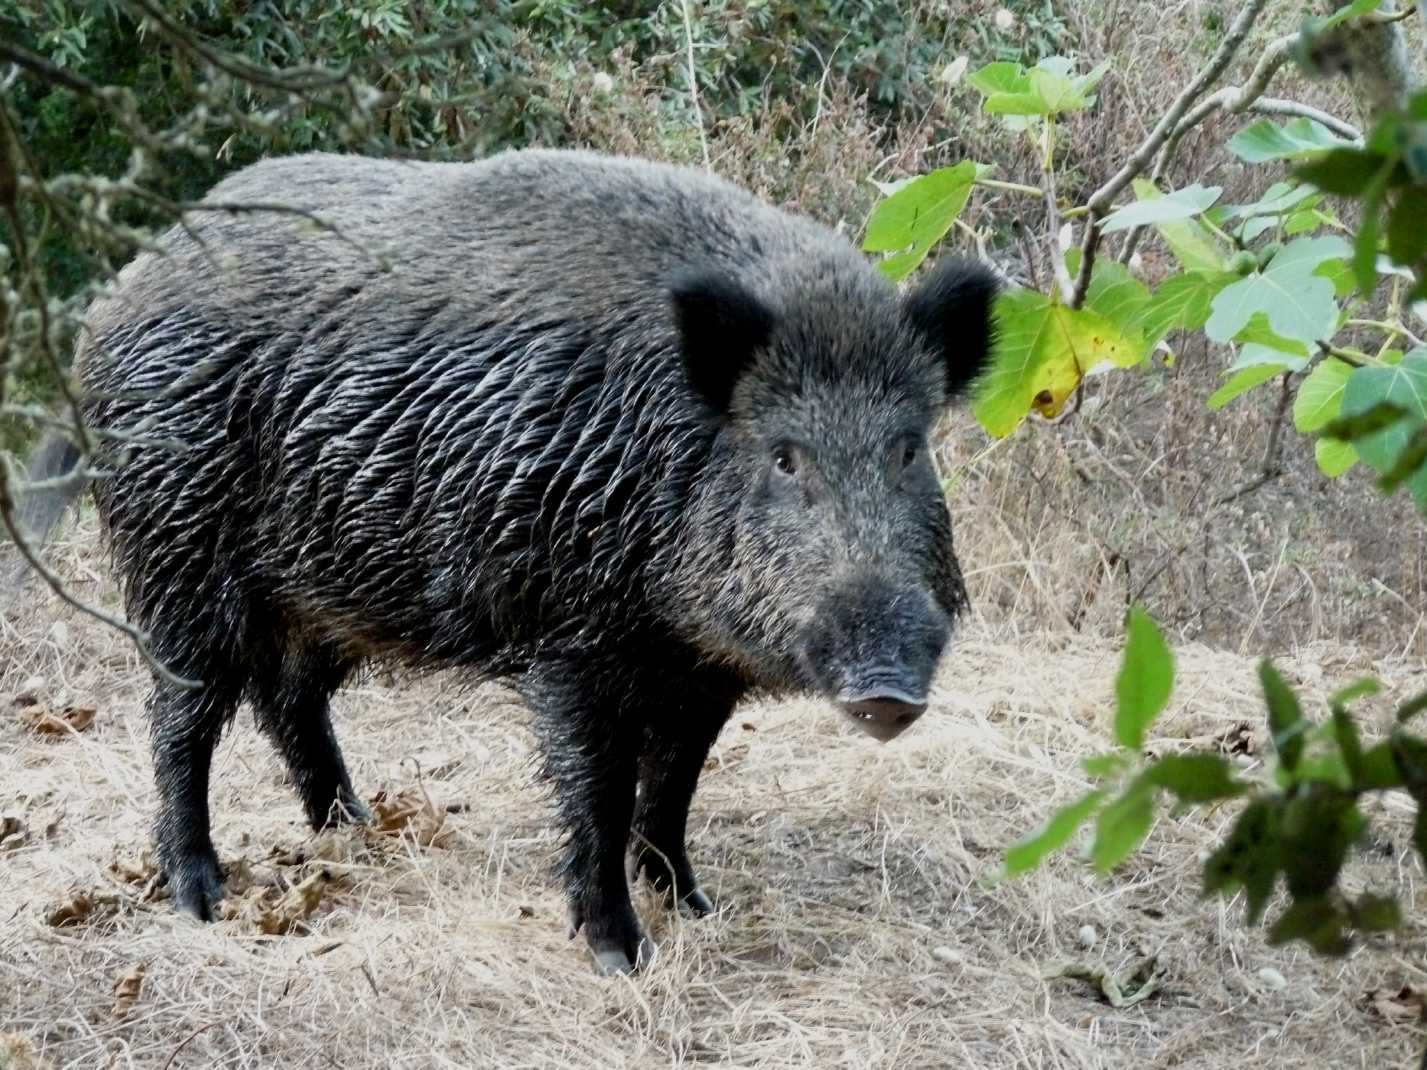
(1181, 204)
(1378, 771)
(1242, 382)
(1363, 688)
(1348, 11)
(1366, 244)
(1411, 708)
(1277, 199)
(1252, 354)
(1285, 716)
(1311, 252)
(1103, 766)
(1409, 754)
(1028, 853)
(1258, 332)
(1306, 220)
(1334, 456)
(1145, 681)
(1195, 778)
(1267, 140)
(1248, 859)
(1192, 243)
(999, 78)
(1318, 922)
(1299, 304)
(1407, 226)
(1319, 825)
(918, 216)
(1016, 104)
(1403, 385)
(1042, 352)
(1350, 744)
(1345, 172)
(1181, 301)
(1375, 913)
(1320, 395)
(1122, 826)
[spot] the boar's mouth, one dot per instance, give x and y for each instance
(872, 647)
(884, 713)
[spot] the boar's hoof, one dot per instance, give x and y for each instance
(196, 887)
(616, 939)
(696, 904)
(883, 716)
(613, 960)
(349, 810)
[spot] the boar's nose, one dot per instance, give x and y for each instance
(884, 715)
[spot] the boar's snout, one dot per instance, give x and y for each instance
(883, 716)
(872, 647)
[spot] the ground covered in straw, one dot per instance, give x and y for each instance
(860, 923)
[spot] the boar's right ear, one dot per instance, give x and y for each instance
(952, 309)
(720, 324)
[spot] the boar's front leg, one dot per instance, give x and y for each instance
(186, 725)
(677, 739)
(587, 716)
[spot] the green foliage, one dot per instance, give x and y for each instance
(1297, 828)
(1047, 89)
(1266, 140)
(1145, 681)
(1260, 277)
(1394, 449)
(1181, 204)
(917, 216)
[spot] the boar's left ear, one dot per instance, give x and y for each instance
(720, 324)
(952, 309)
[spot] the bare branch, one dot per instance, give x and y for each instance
(1104, 197)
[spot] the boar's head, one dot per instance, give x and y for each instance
(828, 563)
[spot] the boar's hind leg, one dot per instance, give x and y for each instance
(186, 725)
(290, 706)
(676, 742)
(591, 744)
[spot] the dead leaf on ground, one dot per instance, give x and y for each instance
(275, 913)
(1404, 1005)
(79, 906)
(127, 989)
(40, 717)
(341, 844)
(13, 832)
(410, 811)
(142, 872)
(17, 1052)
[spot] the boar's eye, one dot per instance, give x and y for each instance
(784, 463)
(910, 449)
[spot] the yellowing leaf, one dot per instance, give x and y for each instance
(1043, 351)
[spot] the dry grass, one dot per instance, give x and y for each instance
(840, 868)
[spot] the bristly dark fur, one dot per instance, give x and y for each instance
(516, 417)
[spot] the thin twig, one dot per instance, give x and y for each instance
(1100, 202)
(694, 82)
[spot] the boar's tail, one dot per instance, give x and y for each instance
(39, 509)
